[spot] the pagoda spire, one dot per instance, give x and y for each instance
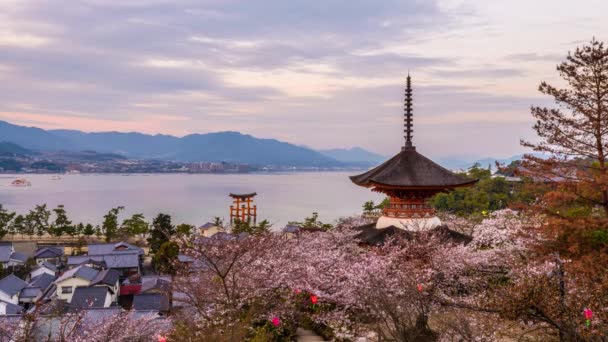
(408, 118)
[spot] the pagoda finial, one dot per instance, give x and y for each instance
(408, 115)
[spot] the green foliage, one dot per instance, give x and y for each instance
(37, 221)
(109, 228)
(184, 229)
(369, 206)
(165, 257)
(239, 226)
(88, 230)
(312, 222)
(18, 225)
(489, 194)
(218, 221)
(161, 232)
(599, 238)
(5, 220)
(61, 224)
(135, 225)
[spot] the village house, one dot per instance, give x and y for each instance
(49, 254)
(10, 258)
(122, 257)
(7, 309)
(91, 298)
(81, 276)
(108, 278)
(38, 288)
(10, 288)
(209, 229)
(155, 296)
(45, 268)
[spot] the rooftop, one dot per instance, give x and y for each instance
(12, 285)
(411, 170)
(5, 252)
(106, 277)
(49, 252)
(89, 297)
(114, 248)
(12, 309)
(151, 302)
(129, 260)
(83, 272)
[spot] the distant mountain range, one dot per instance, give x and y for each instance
(354, 155)
(465, 163)
(221, 146)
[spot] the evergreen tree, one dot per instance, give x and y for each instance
(161, 232)
(164, 259)
(79, 229)
(110, 223)
(184, 229)
(239, 227)
(18, 225)
(88, 230)
(135, 225)
(37, 221)
(61, 225)
(5, 221)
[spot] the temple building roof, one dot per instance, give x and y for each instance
(411, 170)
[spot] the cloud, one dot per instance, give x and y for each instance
(321, 73)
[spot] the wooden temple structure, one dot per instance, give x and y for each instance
(242, 208)
(410, 179)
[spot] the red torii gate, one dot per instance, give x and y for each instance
(242, 208)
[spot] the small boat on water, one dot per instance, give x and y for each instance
(21, 182)
(56, 177)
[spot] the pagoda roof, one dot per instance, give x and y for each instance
(411, 170)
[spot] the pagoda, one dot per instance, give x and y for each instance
(410, 179)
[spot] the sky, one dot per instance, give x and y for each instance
(324, 74)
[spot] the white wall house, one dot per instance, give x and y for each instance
(9, 309)
(14, 299)
(209, 229)
(71, 279)
(10, 287)
(41, 270)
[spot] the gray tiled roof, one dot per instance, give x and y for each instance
(290, 228)
(113, 248)
(83, 272)
(11, 285)
(207, 226)
(50, 266)
(111, 261)
(107, 277)
(12, 309)
(5, 252)
(20, 257)
(155, 284)
(184, 258)
(42, 281)
(89, 297)
(30, 292)
(49, 252)
(150, 302)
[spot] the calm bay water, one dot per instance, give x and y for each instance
(190, 198)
